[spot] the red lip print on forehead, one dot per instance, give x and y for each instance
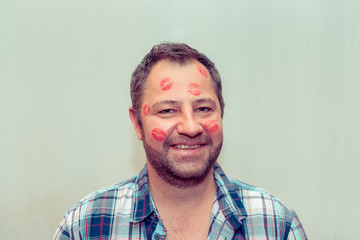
(202, 70)
(211, 126)
(166, 84)
(158, 134)
(146, 109)
(194, 89)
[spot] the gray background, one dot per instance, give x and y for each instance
(291, 79)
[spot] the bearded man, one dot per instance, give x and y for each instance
(181, 193)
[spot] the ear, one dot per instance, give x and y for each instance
(135, 123)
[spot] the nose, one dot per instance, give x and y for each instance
(188, 125)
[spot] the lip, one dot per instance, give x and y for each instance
(188, 143)
(186, 146)
(192, 148)
(193, 154)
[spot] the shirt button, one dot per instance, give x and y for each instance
(157, 236)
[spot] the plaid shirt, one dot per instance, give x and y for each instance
(127, 211)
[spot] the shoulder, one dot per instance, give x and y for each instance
(264, 208)
(102, 205)
(257, 200)
(111, 197)
(256, 212)
(266, 215)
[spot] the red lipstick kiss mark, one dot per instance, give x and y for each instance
(202, 71)
(211, 126)
(146, 109)
(194, 89)
(166, 84)
(158, 134)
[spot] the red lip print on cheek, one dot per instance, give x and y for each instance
(146, 109)
(211, 126)
(194, 89)
(166, 84)
(158, 134)
(202, 71)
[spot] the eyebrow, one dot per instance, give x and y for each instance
(165, 102)
(207, 101)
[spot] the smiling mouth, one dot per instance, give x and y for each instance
(187, 146)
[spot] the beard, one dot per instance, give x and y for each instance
(183, 171)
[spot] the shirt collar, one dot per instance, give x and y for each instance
(143, 205)
(227, 196)
(229, 199)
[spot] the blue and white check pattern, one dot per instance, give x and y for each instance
(127, 211)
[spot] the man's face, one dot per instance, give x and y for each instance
(181, 122)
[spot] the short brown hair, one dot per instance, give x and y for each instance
(174, 52)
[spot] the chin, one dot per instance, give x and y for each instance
(181, 171)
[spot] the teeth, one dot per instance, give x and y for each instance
(187, 146)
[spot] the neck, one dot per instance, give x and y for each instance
(166, 194)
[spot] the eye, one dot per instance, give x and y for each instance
(165, 111)
(203, 109)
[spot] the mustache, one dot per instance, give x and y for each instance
(201, 139)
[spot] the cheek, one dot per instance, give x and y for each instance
(158, 134)
(194, 89)
(211, 126)
(214, 130)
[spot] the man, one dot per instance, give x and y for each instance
(182, 193)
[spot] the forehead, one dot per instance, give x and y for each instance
(167, 78)
(167, 67)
